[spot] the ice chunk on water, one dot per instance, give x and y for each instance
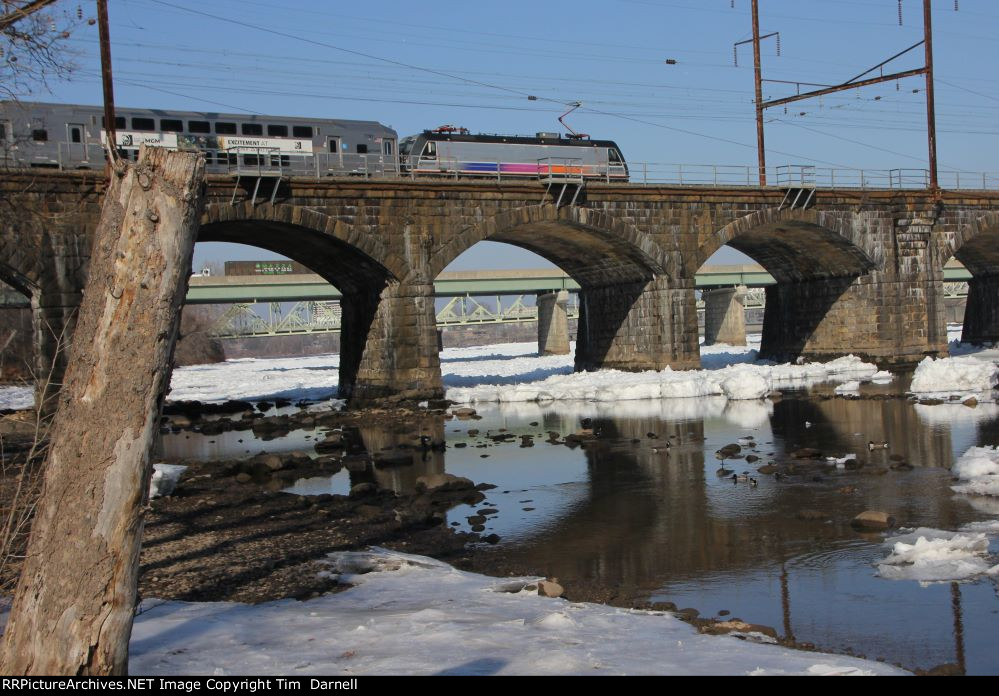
(934, 555)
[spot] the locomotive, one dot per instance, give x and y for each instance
(68, 136)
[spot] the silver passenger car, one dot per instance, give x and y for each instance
(69, 136)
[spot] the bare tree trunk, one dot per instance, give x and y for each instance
(72, 613)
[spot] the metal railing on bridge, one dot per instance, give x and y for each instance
(319, 165)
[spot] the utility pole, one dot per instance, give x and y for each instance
(931, 119)
(854, 83)
(758, 74)
(758, 70)
(105, 36)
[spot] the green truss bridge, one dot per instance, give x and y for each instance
(287, 304)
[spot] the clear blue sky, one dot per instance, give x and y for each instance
(418, 65)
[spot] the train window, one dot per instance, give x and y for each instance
(171, 125)
(251, 160)
(143, 124)
(3, 131)
(276, 131)
(614, 156)
(75, 135)
(301, 131)
(387, 147)
(430, 150)
(199, 127)
(225, 128)
(39, 135)
(119, 122)
(362, 149)
(252, 129)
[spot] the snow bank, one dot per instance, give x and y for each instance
(414, 615)
(946, 376)
(252, 379)
(933, 555)
(978, 468)
(17, 398)
(735, 382)
(164, 479)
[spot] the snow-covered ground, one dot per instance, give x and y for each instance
(511, 372)
(252, 379)
(415, 615)
(17, 398)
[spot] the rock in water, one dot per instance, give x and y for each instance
(873, 519)
(550, 588)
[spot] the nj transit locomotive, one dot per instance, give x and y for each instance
(65, 136)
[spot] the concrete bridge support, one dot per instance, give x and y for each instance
(638, 326)
(981, 316)
(724, 316)
(400, 358)
(553, 323)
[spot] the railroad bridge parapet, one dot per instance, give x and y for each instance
(858, 271)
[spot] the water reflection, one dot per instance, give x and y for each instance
(626, 497)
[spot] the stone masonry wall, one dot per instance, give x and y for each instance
(861, 270)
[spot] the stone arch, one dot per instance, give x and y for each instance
(590, 245)
(818, 259)
(335, 249)
(357, 264)
(796, 245)
(976, 245)
(634, 313)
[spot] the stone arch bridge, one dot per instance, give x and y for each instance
(858, 271)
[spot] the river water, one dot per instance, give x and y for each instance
(643, 521)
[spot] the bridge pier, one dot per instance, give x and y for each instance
(53, 318)
(643, 325)
(400, 360)
(724, 316)
(553, 323)
(887, 321)
(981, 314)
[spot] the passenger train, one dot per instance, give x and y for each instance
(66, 136)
